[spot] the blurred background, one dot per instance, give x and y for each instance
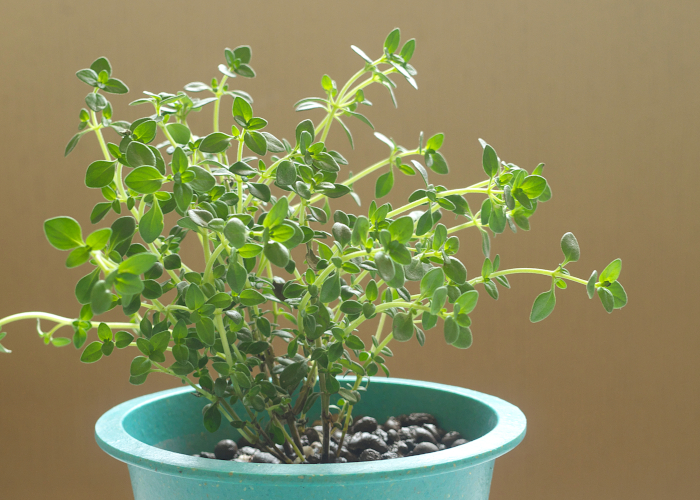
(605, 93)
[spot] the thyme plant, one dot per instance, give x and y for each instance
(280, 262)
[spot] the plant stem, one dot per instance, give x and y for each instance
(325, 414)
(527, 270)
(58, 319)
(475, 189)
(217, 104)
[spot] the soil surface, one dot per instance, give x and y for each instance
(365, 441)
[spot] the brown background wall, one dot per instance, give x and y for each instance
(604, 92)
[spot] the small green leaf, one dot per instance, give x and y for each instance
(216, 142)
(144, 180)
(385, 266)
(236, 232)
(139, 155)
(570, 247)
(72, 143)
(286, 173)
(104, 332)
(128, 284)
(97, 240)
(384, 184)
(139, 366)
(543, 306)
(455, 270)
(590, 286)
(145, 132)
(466, 302)
(451, 330)
(330, 290)
(194, 298)
(490, 161)
(611, 272)
(251, 298)
(63, 233)
(497, 220)
(260, 191)
(78, 257)
(391, 43)
(432, 280)
(533, 186)
(606, 298)
(92, 353)
(203, 181)
(276, 253)
(256, 142)
(619, 294)
(115, 86)
(438, 300)
(123, 339)
(464, 338)
(138, 264)
(402, 229)
(402, 327)
(407, 50)
(100, 174)
(236, 277)
(212, 418)
(152, 223)
(206, 331)
(242, 109)
(435, 142)
(354, 342)
(277, 214)
(180, 133)
(87, 76)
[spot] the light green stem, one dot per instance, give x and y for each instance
(528, 270)
(58, 319)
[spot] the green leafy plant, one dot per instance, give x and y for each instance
(280, 264)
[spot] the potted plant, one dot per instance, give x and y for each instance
(266, 338)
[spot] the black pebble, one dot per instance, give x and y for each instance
(381, 434)
(365, 424)
(312, 434)
(206, 454)
(407, 433)
(424, 447)
(401, 448)
(435, 431)
(459, 442)
(450, 438)
(347, 455)
(389, 455)
(262, 457)
(392, 423)
(370, 455)
(423, 435)
(365, 440)
(248, 450)
(225, 449)
(419, 419)
(392, 436)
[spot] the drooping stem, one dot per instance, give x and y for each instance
(59, 319)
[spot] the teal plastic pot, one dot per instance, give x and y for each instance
(157, 434)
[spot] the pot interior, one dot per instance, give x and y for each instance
(174, 423)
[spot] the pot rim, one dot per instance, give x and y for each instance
(508, 432)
